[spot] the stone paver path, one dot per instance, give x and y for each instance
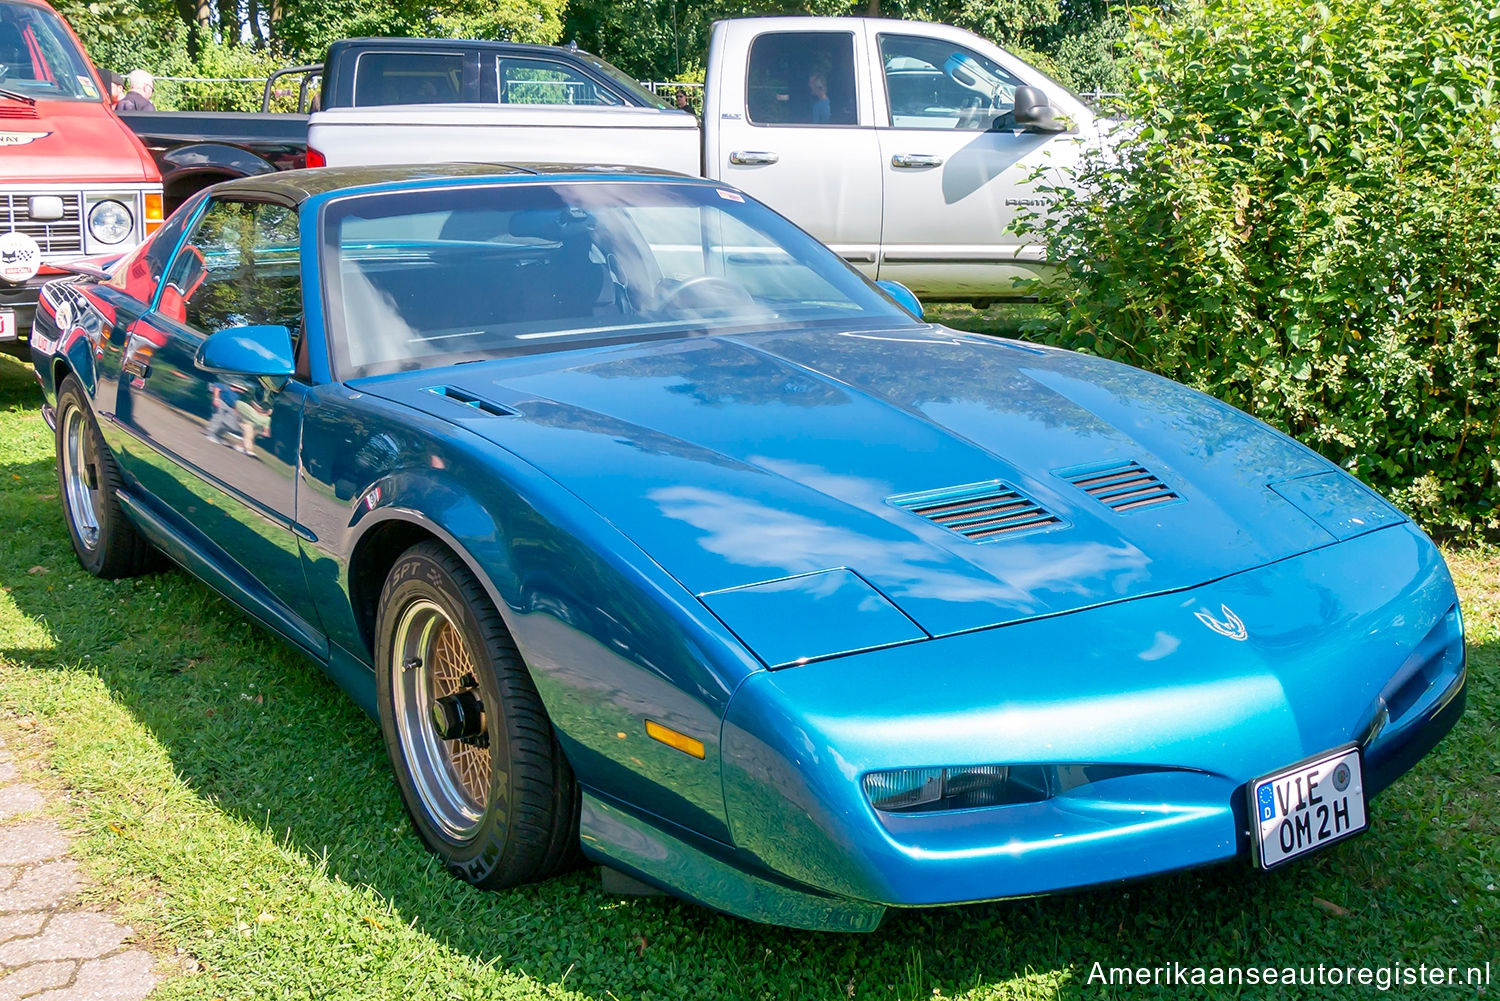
(50, 949)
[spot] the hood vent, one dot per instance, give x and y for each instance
(470, 400)
(1125, 487)
(17, 111)
(979, 511)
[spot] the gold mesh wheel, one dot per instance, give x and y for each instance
(432, 661)
(452, 672)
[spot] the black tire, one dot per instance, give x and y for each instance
(524, 828)
(88, 481)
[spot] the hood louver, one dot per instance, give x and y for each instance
(470, 400)
(1128, 486)
(979, 511)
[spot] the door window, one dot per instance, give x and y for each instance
(238, 267)
(802, 78)
(546, 81)
(382, 78)
(934, 84)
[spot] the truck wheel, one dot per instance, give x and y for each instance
(475, 757)
(88, 480)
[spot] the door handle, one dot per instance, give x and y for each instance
(913, 160)
(749, 158)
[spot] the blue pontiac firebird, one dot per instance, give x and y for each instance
(654, 534)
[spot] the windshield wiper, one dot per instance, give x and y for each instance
(16, 95)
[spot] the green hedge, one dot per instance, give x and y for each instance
(1303, 218)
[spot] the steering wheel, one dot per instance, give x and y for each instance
(702, 292)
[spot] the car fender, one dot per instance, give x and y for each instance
(610, 639)
(65, 336)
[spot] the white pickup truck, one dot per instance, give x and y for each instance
(907, 147)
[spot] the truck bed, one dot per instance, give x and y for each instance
(409, 133)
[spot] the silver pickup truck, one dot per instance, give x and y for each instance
(907, 147)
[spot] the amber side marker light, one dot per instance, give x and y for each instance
(670, 737)
(154, 213)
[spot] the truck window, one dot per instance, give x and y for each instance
(546, 81)
(934, 84)
(409, 77)
(38, 57)
(801, 78)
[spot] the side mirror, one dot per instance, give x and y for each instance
(904, 296)
(263, 352)
(1033, 113)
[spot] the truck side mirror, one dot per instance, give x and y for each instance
(1033, 113)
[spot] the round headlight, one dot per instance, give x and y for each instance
(110, 222)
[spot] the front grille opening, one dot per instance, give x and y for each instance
(1128, 486)
(979, 511)
(54, 236)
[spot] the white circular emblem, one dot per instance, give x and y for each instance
(20, 257)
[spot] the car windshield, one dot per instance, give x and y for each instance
(418, 279)
(38, 57)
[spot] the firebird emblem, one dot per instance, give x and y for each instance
(1231, 625)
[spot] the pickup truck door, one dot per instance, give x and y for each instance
(789, 119)
(957, 169)
(217, 454)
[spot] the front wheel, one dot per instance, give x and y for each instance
(475, 757)
(88, 480)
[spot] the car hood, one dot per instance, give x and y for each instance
(62, 141)
(736, 461)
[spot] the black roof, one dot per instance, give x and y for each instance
(485, 44)
(299, 185)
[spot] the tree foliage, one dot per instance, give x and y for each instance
(217, 38)
(668, 39)
(1301, 221)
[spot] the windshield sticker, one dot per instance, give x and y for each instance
(730, 196)
(21, 138)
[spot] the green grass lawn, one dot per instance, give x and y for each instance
(240, 813)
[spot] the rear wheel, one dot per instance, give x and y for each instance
(475, 757)
(88, 480)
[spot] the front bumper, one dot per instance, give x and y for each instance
(1358, 642)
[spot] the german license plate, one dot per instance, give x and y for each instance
(8, 325)
(1307, 806)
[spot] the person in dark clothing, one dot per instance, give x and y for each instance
(142, 86)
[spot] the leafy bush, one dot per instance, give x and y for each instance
(1302, 220)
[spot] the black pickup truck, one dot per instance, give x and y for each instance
(194, 149)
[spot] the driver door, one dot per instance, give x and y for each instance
(957, 172)
(217, 452)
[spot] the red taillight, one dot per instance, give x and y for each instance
(316, 159)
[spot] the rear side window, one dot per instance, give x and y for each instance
(141, 272)
(802, 78)
(382, 78)
(547, 81)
